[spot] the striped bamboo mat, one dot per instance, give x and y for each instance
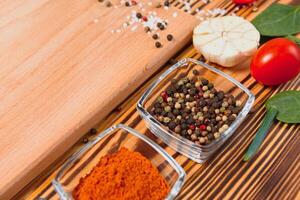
(273, 174)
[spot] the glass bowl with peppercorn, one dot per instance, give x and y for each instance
(194, 108)
(119, 163)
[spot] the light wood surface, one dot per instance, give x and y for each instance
(62, 70)
(272, 175)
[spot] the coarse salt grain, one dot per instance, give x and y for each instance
(96, 20)
(134, 28)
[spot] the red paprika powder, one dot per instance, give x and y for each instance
(123, 175)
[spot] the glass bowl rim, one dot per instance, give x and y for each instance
(75, 156)
(198, 147)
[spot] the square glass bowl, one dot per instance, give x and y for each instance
(110, 141)
(221, 81)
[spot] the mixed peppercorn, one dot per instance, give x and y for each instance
(152, 23)
(194, 109)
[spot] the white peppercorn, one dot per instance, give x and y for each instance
(177, 105)
(238, 103)
(202, 140)
(225, 126)
(194, 137)
(217, 135)
(204, 88)
(198, 84)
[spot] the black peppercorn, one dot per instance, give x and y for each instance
(93, 131)
(85, 140)
(220, 95)
(108, 4)
(176, 112)
(167, 3)
(147, 29)
(172, 125)
(183, 126)
(190, 120)
(195, 72)
(139, 15)
(157, 105)
(172, 61)
(169, 37)
(158, 44)
(160, 26)
(184, 133)
(158, 111)
(202, 103)
(155, 36)
(127, 4)
(193, 91)
(204, 81)
(210, 136)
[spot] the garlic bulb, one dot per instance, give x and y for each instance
(227, 40)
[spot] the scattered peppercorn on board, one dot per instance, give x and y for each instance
(272, 175)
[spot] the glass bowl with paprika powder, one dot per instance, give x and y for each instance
(194, 108)
(119, 163)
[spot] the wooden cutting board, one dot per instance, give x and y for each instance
(63, 70)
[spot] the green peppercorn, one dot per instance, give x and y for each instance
(210, 86)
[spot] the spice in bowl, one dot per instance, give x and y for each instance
(195, 109)
(123, 175)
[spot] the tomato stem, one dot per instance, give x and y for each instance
(261, 133)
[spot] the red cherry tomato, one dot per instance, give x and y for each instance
(243, 1)
(276, 62)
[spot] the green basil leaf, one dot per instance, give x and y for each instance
(287, 104)
(278, 20)
(294, 39)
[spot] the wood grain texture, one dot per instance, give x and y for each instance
(61, 72)
(273, 174)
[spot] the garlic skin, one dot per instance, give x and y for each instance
(227, 40)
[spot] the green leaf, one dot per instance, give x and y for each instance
(278, 20)
(287, 104)
(294, 39)
(261, 133)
